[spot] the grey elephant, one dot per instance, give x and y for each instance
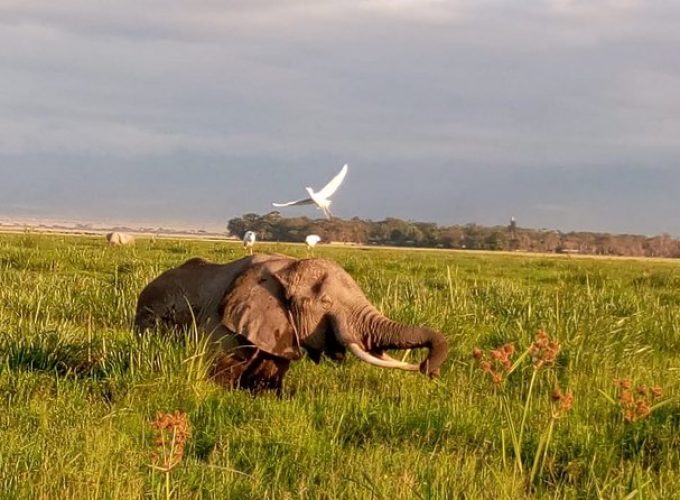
(120, 239)
(265, 311)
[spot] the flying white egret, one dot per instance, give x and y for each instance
(320, 198)
(249, 241)
(312, 240)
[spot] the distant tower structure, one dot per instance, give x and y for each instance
(512, 234)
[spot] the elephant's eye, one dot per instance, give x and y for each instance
(326, 301)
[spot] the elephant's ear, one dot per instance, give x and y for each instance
(255, 308)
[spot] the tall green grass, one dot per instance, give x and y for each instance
(79, 391)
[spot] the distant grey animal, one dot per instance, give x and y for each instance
(320, 197)
(312, 240)
(249, 241)
(120, 239)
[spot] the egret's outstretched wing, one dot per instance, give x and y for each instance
(332, 186)
(305, 201)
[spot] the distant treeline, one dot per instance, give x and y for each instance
(397, 232)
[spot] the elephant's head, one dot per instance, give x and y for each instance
(285, 305)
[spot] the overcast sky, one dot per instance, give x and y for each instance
(564, 114)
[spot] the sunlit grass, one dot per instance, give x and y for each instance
(79, 391)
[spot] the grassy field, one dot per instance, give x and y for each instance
(80, 393)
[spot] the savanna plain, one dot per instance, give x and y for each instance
(562, 381)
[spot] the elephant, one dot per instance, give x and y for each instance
(120, 239)
(262, 312)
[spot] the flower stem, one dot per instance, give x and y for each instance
(526, 405)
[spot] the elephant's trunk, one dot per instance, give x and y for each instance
(376, 333)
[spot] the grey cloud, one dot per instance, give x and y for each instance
(428, 102)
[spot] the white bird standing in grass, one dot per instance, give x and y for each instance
(249, 241)
(312, 240)
(320, 197)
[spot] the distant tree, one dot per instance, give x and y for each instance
(451, 237)
(551, 241)
(393, 231)
(473, 237)
(236, 227)
(496, 240)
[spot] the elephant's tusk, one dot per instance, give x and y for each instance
(386, 357)
(386, 362)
